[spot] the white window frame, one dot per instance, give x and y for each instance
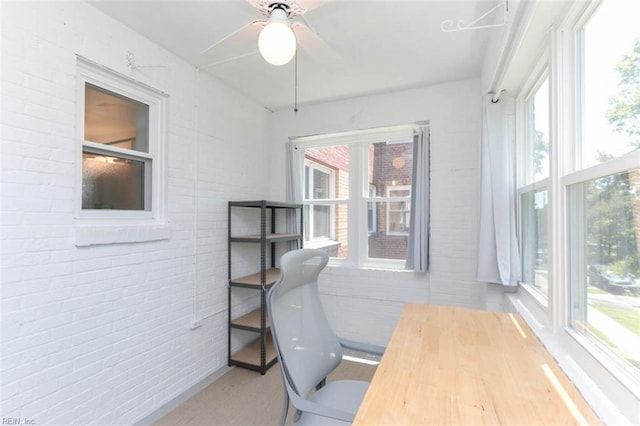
(105, 226)
(358, 142)
(313, 240)
(525, 127)
(372, 228)
(610, 389)
(391, 199)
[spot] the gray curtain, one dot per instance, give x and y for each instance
(418, 250)
(498, 253)
(295, 180)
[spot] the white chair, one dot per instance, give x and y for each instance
(307, 348)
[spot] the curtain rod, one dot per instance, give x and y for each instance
(360, 131)
(522, 18)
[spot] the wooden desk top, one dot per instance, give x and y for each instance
(447, 365)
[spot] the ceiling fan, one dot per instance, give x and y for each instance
(277, 37)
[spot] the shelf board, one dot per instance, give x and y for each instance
(250, 354)
(270, 238)
(253, 280)
(250, 321)
(268, 204)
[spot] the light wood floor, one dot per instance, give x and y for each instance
(244, 397)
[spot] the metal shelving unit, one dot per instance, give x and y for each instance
(258, 355)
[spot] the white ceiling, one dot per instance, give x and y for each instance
(362, 47)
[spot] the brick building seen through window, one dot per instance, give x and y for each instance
(388, 174)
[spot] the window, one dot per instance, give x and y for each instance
(610, 84)
(538, 133)
(318, 218)
(534, 249)
(357, 196)
(579, 188)
(326, 192)
(533, 191)
(398, 211)
(120, 132)
(603, 191)
(391, 171)
(604, 237)
(116, 168)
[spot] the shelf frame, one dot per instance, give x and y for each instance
(259, 355)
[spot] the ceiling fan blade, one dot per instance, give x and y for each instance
(261, 5)
(308, 5)
(313, 45)
(243, 40)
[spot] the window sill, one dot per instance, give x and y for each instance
(540, 300)
(89, 235)
(625, 377)
(612, 400)
(381, 265)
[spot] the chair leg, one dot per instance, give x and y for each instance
(285, 408)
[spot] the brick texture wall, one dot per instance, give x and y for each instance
(101, 334)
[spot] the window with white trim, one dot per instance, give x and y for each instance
(359, 186)
(533, 190)
(318, 218)
(603, 191)
(120, 128)
(585, 206)
(398, 211)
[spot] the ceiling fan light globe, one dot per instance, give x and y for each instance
(277, 43)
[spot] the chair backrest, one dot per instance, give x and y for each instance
(306, 346)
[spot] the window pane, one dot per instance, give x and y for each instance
(390, 244)
(115, 120)
(327, 177)
(321, 221)
(112, 183)
(611, 86)
(390, 171)
(540, 136)
(398, 222)
(398, 212)
(329, 230)
(534, 217)
(604, 268)
(320, 184)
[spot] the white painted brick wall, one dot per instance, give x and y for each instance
(100, 334)
(366, 304)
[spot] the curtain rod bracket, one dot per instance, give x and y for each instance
(495, 96)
